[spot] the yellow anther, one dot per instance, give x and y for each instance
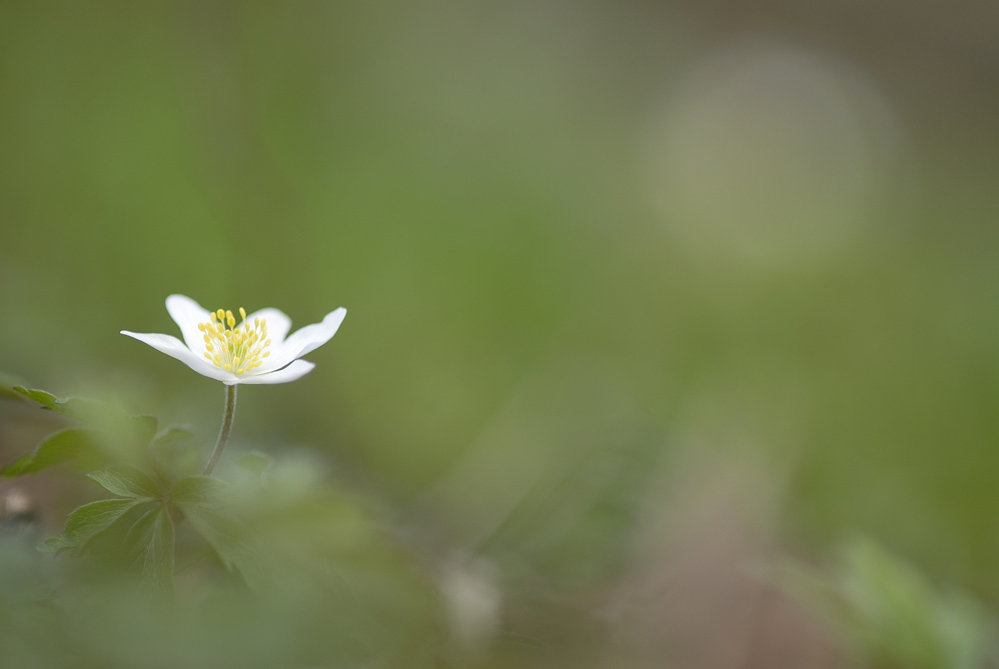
(240, 349)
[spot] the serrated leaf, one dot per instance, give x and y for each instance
(127, 481)
(60, 447)
(254, 462)
(201, 499)
(149, 546)
(87, 522)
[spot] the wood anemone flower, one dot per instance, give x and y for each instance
(256, 350)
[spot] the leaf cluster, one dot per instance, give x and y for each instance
(150, 475)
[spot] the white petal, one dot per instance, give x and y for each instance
(187, 314)
(278, 323)
(295, 370)
(303, 341)
(176, 349)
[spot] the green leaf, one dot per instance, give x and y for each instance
(94, 412)
(87, 522)
(254, 462)
(127, 481)
(201, 499)
(174, 434)
(149, 546)
(54, 545)
(175, 449)
(60, 447)
(48, 400)
(200, 490)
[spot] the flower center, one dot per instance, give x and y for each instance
(238, 349)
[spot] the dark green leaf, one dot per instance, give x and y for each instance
(149, 546)
(60, 447)
(127, 481)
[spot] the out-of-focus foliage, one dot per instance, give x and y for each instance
(892, 616)
(280, 569)
(583, 245)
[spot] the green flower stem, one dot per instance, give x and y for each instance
(230, 413)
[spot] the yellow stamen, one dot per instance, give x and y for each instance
(240, 349)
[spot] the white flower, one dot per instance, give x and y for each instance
(255, 351)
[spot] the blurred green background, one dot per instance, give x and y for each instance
(626, 282)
